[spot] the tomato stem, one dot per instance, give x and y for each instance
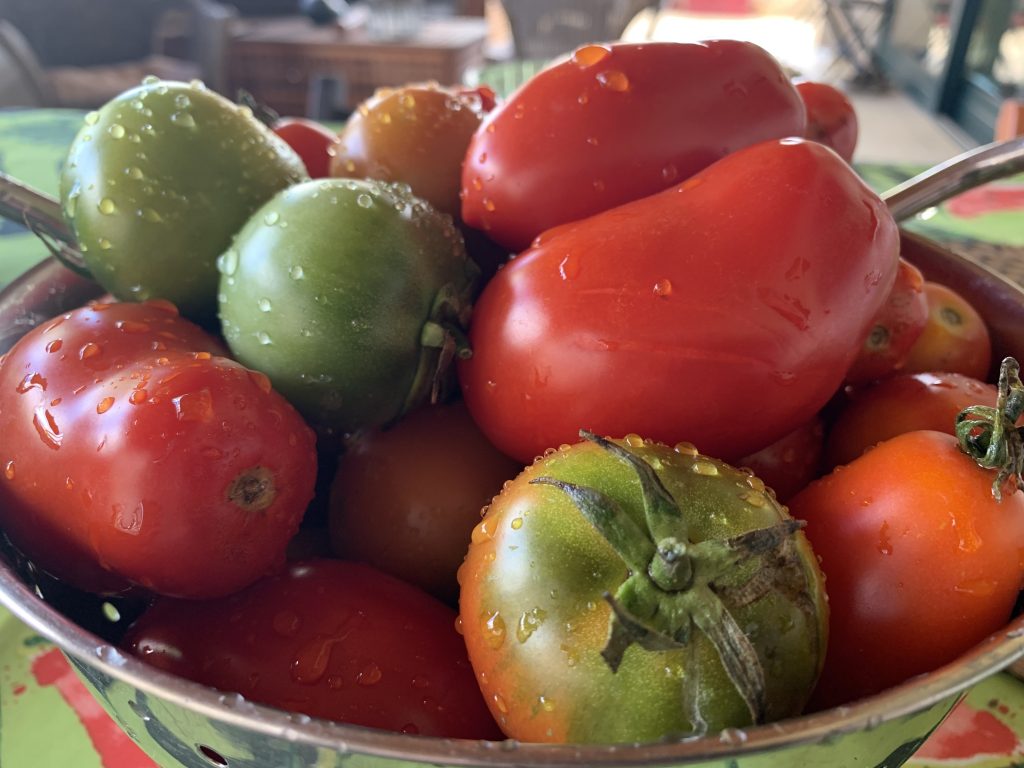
(991, 437)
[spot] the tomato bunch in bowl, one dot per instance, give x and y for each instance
(584, 310)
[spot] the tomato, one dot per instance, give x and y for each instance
(954, 339)
(921, 563)
(895, 328)
(159, 180)
(134, 455)
(349, 295)
(658, 533)
(831, 118)
(328, 639)
(617, 122)
(416, 134)
(899, 404)
(791, 462)
(708, 312)
(405, 499)
(313, 142)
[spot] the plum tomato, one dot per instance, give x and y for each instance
(790, 463)
(159, 180)
(328, 639)
(955, 338)
(313, 142)
(903, 403)
(351, 295)
(416, 134)
(920, 543)
(616, 122)
(621, 591)
(405, 499)
(134, 455)
(707, 312)
(895, 328)
(831, 118)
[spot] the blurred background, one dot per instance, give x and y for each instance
(928, 77)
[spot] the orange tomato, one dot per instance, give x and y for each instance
(954, 339)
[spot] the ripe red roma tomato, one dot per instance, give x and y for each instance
(613, 123)
(921, 561)
(831, 118)
(329, 639)
(134, 455)
(723, 312)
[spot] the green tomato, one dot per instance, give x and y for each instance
(621, 591)
(351, 296)
(159, 180)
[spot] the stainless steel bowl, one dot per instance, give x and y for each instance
(180, 723)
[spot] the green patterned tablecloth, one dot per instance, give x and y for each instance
(49, 720)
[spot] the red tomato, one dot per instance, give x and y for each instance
(920, 562)
(707, 313)
(613, 123)
(955, 337)
(831, 118)
(311, 141)
(896, 327)
(405, 499)
(132, 455)
(899, 404)
(791, 462)
(328, 639)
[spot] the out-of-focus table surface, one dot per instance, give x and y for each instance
(49, 720)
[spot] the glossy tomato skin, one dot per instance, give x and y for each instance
(338, 290)
(955, 337)
(613, 123)
(135, 455)
(920, 561)
(831, 118)
(894, 330)
(313, 142)
(405, 499)
(898, 404)
(723, 312)
(790, 463)
(159, 180)
(535, 619)
(328, 639)
(416, 134)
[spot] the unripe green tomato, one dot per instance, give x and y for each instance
(343, 292)
(536, 616)
(159, 180)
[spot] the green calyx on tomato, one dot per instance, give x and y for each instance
(675, 584)
(990, 435)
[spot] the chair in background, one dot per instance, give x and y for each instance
(543, 29)
(22, 82)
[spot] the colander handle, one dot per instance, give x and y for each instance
(41, 214)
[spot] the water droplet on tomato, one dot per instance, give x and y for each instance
(494, 630)
(706, 468)
(129, 521)
(92, 118)
(310, 664)
(613, 80)
(569, 267)
(369, 675)
(489, 205)
(47, 428)
(516, 524)
(364, 200)
(264, 338)
(529, 622)
(633, 440)
(589, 55)
(978, 587)
(500, 704)
(286, 623)
(663, 288)
(9, 470)
(183, 120)
(30, 382)
(194, 406)
(104, 405)
(227, 262)
(107, 206)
